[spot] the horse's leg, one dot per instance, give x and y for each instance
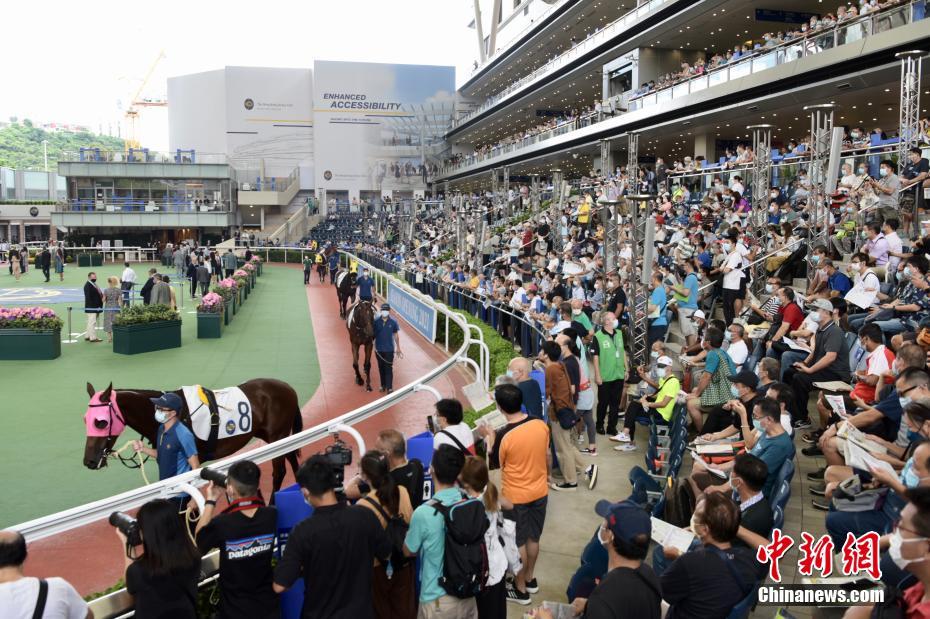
(291, 457)
(277, 474)
(368, 347)
(358, 377)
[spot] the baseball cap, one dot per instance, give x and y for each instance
(699, 314)
(168, 400)
(821, 304)
(386, 306)
(745, 378)
(664, 360)
(625, 519)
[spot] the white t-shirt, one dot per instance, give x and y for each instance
(738, 352)
(128, 275)
(18, 599)
(515, 245)
(731, 280)
(461, 431)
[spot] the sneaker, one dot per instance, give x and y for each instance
(625, 447)
(821, 504)
(620, 437)
(532, 586)
(801, 424)
(590, 451)
(816, 475)
(564, 486)
(818, 490)
(516, 596)
(813, 450)
(591, 473)
(811, 438)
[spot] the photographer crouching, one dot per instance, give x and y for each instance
(162, 563)
(244, 532)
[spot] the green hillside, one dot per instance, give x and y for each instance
(21, 145)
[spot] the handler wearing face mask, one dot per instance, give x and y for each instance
(176, 450)
(387, 344)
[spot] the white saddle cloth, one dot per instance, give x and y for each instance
(234, 408)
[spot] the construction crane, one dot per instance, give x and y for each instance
(133, 111)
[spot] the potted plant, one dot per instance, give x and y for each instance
(242, 280)
(257, 261)
(29, 333)
(228, 289)
(90, 260)
(250, 268)
(210, 316)
(144, 328)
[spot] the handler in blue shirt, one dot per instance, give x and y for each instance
(333, 267)
(176, 450)
(365, 285)
(387, 344)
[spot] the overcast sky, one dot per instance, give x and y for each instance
(77, 61)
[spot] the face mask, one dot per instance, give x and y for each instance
(894, 549)
(161, 416)
(757, 425)
(909, 476)
(576, 312)
(660, 372)
(883, 171)
(815, 317)
(774, 194)
(734, 391)
(861, 171)
(728, 336)
(815, 259)
(904, 401)
(854, 266)
(855, 135)
(727, 247)
(600, 537)
(510, 373)
(385, 313)
(616, 323)
(93, 279)
(907, 272)
(654, 354)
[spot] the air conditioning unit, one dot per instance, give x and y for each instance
(246, 187)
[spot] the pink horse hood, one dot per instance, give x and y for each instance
(104, 419)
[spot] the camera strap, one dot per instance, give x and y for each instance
(239, 505)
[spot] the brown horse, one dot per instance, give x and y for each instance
(275, 415)
(346, 285)
(361, 326)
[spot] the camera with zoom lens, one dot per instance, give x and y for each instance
(218, 479)
(338, 456)
(128, 526)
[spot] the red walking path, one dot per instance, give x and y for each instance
(90, 558)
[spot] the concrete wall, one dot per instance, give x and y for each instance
(654, 62)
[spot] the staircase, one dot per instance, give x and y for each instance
(276, 223)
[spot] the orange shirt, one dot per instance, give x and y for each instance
(520, 452)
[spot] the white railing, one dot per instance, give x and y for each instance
(69, 519)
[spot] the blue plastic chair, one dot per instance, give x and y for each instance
(782, 494)
(786, 473)
(741, 610)
(778, 517)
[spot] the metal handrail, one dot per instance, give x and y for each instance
(54, 524)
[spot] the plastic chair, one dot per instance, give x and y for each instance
(782, 494)
(778, 517)
(741, 610)
(786, 473)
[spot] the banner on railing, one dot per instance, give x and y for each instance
(419, 314)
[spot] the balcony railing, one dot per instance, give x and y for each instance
(268, 183)
(608, 32)
(846, 32)
(130, 205)
(812, 43)
(140, 155)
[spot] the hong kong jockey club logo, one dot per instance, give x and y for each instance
(249, 104)
(230, 426)
(328, 175)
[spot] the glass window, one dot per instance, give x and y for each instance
(35, 185)
(9, 184)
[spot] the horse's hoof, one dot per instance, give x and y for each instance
(368, 388)
(359, 382)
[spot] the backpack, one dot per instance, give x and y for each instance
(396, 530)
(465, 561)
(679, 503)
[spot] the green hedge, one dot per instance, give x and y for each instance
(143, 314)
(278, 255)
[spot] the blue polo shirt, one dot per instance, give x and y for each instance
(334, 261)
(384, 334)
(365, 284)
(427, 537)
(175, 447)
(658, 298)
(774, 452)
(839, 282)
(691, 283)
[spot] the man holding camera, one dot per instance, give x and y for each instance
(334, 549)
(176, 449)
(244, 532)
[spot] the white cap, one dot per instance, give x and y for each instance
(664, 360)
(699, 314)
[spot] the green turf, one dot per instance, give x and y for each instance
(42, 402)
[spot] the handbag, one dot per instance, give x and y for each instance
(567, 418)
(718, 391)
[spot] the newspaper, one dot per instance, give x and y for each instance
(837, 403)
(854, 435)
(710, 469)
(715, 449)
(859, 458)
(859, 297)
(669, 536)
(833, 385)
(794, 344)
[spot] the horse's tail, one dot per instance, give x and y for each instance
(298, 423)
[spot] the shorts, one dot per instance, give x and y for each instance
(685, 323)
(742, 287)
(530, 518)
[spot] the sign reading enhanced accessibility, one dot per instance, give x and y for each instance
(420, 315)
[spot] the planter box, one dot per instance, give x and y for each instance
(209, 325)
(235, 303)
(135, 339)
(25, 344)
(227, 310)
(259, 266)
(253, 279)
